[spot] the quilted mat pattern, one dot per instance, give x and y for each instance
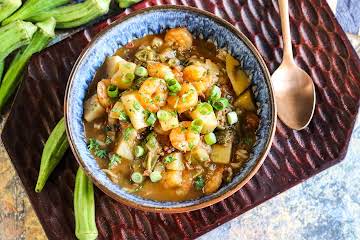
(320, 47)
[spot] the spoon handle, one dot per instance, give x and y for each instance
(285, 27)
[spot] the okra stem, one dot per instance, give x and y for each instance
(39, 41)
(8, 7)
(32, 8)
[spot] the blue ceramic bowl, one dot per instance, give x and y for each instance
(151, 21)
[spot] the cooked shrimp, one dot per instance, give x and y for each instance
(159, 70)
(153, 94)
(183, 138)
(186, 98)
(186, 184)
(180, 38)
(102, 95)
(213, 180)
(201, 75)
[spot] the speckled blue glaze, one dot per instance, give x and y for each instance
(154, 21)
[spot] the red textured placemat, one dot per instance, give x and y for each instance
(320, 47)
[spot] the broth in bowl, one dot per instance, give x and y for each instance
(170, 117)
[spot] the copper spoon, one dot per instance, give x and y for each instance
(294, 89)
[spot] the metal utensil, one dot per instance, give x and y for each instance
(294, 89)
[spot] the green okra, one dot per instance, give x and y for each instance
(2, 65)
(32, 8)
(39, 41)
(77, 14)
(8, 7)
(84, 207)
(127, 3)
(14, 36)
(54, 149)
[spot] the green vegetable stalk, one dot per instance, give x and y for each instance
(8, 7)
(32, 8)
(54, 149)
(127, 3)
(84, 207)
(75, 15)
(39, 41)
(14, 36)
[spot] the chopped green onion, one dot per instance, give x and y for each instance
(139, 151)
(215, 93)
(141, 71)
(197, 125)
(169, 159)
(113, 91)
(155, 176)
(137, 177)
(221, 104)
(173, 85)
(151, 119)
(232, 118)
(129, 77)
(123, 116)
(204, 108)
(163, 115)
(210, 138)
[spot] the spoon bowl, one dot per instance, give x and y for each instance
(294, 94)
(294, 89)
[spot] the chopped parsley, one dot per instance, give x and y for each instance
(93, 144)
(169, 159)
(108, 140)
(199, 182)
(101, 153)
(114, 160)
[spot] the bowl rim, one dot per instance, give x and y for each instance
(217, 199)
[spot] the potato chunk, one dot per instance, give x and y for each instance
(134, 110)
(209, 120)
(221, 153)
(238, 78)
(172, 179)
(126, 144)
(93, 109)
(120, 78)
(245, 101)
(177, 163)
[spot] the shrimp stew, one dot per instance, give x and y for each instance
(170, 117)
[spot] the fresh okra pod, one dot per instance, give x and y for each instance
(54, 149)
(32, 8)
(14, 36)
(127, 3)
(2, 65)
(77, 14)
(84, 207)
(39, 41)
(8, 7)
